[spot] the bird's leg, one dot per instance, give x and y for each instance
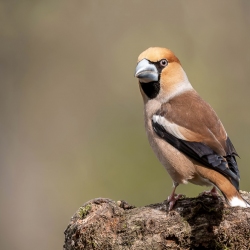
(212, 192)
(173, 197)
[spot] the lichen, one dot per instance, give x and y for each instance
(84, 211)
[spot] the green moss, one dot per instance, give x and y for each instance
(226, 212)
(220, 246)
(84, 211)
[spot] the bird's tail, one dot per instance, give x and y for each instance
(236, 200)
(229, 191)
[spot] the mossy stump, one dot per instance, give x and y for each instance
(194, 223)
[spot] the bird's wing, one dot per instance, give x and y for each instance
(189, 124)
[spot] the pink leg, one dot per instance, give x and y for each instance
(212, 192)
(173, 197)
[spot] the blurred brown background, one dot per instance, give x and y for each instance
(71, 113)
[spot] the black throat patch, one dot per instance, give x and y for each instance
(151, 89)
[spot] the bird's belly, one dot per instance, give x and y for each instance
(179, 167)
(199, 180)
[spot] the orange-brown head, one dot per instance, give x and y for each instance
(160, 74)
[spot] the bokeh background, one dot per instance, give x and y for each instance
(71, 112)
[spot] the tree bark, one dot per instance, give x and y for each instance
(205, 222)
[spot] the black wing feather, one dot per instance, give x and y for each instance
(231, 153)
(204, 154)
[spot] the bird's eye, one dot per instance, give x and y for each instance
(163, 62)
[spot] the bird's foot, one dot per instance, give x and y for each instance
(212, 192)
(172, 200)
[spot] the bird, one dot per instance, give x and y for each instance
(184, 131)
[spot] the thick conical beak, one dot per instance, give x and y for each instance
(146, 71)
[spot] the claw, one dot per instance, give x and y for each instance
(172, 200)
(212, 192)
(173, 197)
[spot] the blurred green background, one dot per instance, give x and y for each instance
(71, 112)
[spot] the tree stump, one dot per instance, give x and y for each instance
(204, 222)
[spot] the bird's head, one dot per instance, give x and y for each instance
(160, 74)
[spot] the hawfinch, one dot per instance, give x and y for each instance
(184, 131)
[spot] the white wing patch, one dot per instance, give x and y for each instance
(171, 128)
(236, 202)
